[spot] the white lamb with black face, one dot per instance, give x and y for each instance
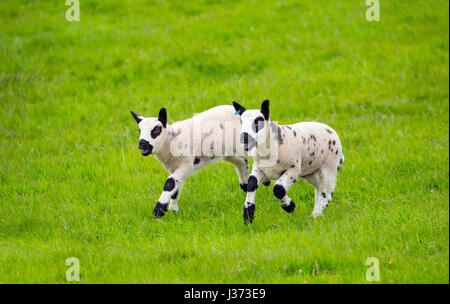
(311, 151)
(188, 145)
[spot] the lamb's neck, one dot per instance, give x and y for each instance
(164, 155)
(273, 131)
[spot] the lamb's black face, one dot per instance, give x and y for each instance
(152, 132)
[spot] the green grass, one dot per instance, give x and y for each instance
(73, 183)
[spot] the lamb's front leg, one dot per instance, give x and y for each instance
(174, 198)
(172, 185)
(252, 185)
(282, 185)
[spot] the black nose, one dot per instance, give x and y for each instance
(244, 138)
(143, 144)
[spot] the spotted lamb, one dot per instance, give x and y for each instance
(311, 151)
(188, 145)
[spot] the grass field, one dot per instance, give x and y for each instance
(73, 183)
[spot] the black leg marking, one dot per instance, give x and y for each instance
(266, 183)
(324, 195)
(252, 183)
(243, 187)
(249, 214)
(160, 210)
(175, 195)
(290, 208)
(196, 160)
(169, 185)
(279, 191)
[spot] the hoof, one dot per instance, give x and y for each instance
(175, 211)
(289, 208)
(249, 214)
(316, 213)
(243, 187)
(174, 208)
(160, 210)
(266, 183)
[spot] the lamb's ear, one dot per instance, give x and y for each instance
(239, 109)
(265, 109)
(136, 117)
(162, 117)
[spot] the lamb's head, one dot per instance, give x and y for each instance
(152, 132)
(254, 123)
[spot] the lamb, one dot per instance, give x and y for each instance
(311, 151)
(212, 134)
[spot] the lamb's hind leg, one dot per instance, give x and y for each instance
(324, 191)
(242, 169)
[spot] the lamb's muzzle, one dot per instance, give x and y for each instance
(146, 147)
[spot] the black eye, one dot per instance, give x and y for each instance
(156, 131)
(258, 124)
